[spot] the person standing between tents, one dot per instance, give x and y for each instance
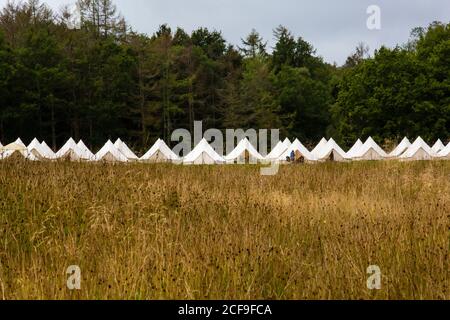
(292, 156)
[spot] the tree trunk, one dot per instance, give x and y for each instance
(53, 127)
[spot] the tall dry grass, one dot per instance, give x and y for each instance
(224, 232)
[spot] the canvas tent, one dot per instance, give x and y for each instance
(86, 153)
(244, 152)
(109, 153)
(287, 142)
(16, 149)
(38, 151)
(401, 148)
(20, 142)
(70, 151)
(354, 149)
(438, 146)
(203, 153)
(278, 150)
(123, 148)
(47, 150)
(370, 151)
(331, 152)
(419, 150)
(444, 154)
(160, 152)
(319, 147)
(300, 152)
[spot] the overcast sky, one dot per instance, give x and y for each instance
(333, 27)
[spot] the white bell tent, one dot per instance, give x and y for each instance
(109, 153)
(160, 153)
(319, 147)
(444, 154)
(419, 150)
(87, 154)
(299, 150)
(401, 148)
(245, 152)
(331, 152)
(38, 151)
(123, 148)
(16, 149)
(438, 146)
(70, 151)
(353, 150)
(278, 150)
(370, 151)
(203, 153)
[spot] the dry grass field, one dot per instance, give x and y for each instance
(224, 232)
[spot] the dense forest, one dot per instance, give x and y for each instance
(87, 74)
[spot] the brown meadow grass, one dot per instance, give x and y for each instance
(224, 232)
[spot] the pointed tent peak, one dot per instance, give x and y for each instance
(445, 152)
(369, 151)
(33, 143)
(70, 149)
(36, 147)
(419, 140)
(49, 152)
(70, 144)
(297, 146)
(82, 145)
(331, 147)
(287, 141)
(358, 143)
(86, 152)
(401, 148)
(438, 146)
(197, 156)
(20, 142)
(125, 150)
(414, 149)
(163, 148)
(405, 140)
(319, 146)
(331, 141)
(370, 140)
(109, 152)
(45, 145)
(244, 146)
(277, 151)
(353, 150)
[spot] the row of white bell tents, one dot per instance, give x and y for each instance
(16, 148)
(419, 150)
(203, 153)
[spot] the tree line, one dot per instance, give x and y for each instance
(87, 74)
